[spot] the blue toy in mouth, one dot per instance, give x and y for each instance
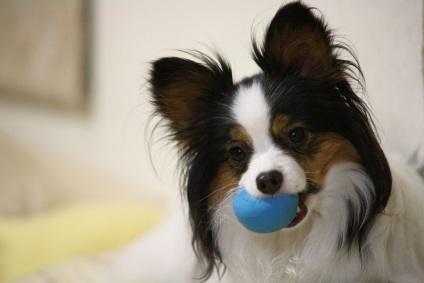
(265, 215)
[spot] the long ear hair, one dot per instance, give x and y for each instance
(189, 96)
(296, 42)
(298, 45)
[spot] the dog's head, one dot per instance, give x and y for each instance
(279, 131)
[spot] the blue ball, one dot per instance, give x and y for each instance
(265, 215)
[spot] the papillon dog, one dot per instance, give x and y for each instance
(297, 127)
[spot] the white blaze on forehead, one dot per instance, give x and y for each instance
(251, 111)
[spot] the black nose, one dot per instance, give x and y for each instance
(269, 182)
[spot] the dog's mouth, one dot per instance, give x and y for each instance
(302, 209)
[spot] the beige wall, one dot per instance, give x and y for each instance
(128, 34)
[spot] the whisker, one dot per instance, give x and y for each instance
(225, 204)
(216, 191)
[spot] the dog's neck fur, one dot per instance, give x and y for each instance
(309, 253)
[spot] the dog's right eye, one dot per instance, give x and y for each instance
(297, 135)
(238, 154)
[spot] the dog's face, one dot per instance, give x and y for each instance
(280, 131)
(270, 150)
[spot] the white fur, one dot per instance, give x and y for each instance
(251, 110)
(266, 157)
(307, 253)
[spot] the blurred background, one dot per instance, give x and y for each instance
(74, 108)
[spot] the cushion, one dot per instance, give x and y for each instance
(29, 244)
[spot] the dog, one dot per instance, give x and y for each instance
(297, 127)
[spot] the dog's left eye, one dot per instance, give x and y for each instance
(297, 135)
(238, 154)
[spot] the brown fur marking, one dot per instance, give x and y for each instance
(333, 150)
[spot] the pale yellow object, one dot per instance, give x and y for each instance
(33, 243)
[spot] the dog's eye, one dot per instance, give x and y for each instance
(238, 154)
(297, 135)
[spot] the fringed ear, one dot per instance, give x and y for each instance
(183, 89)
(189, 96)
(296, 42)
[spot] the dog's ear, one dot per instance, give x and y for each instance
(189, 96)
(182, 91)
(296, 42)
